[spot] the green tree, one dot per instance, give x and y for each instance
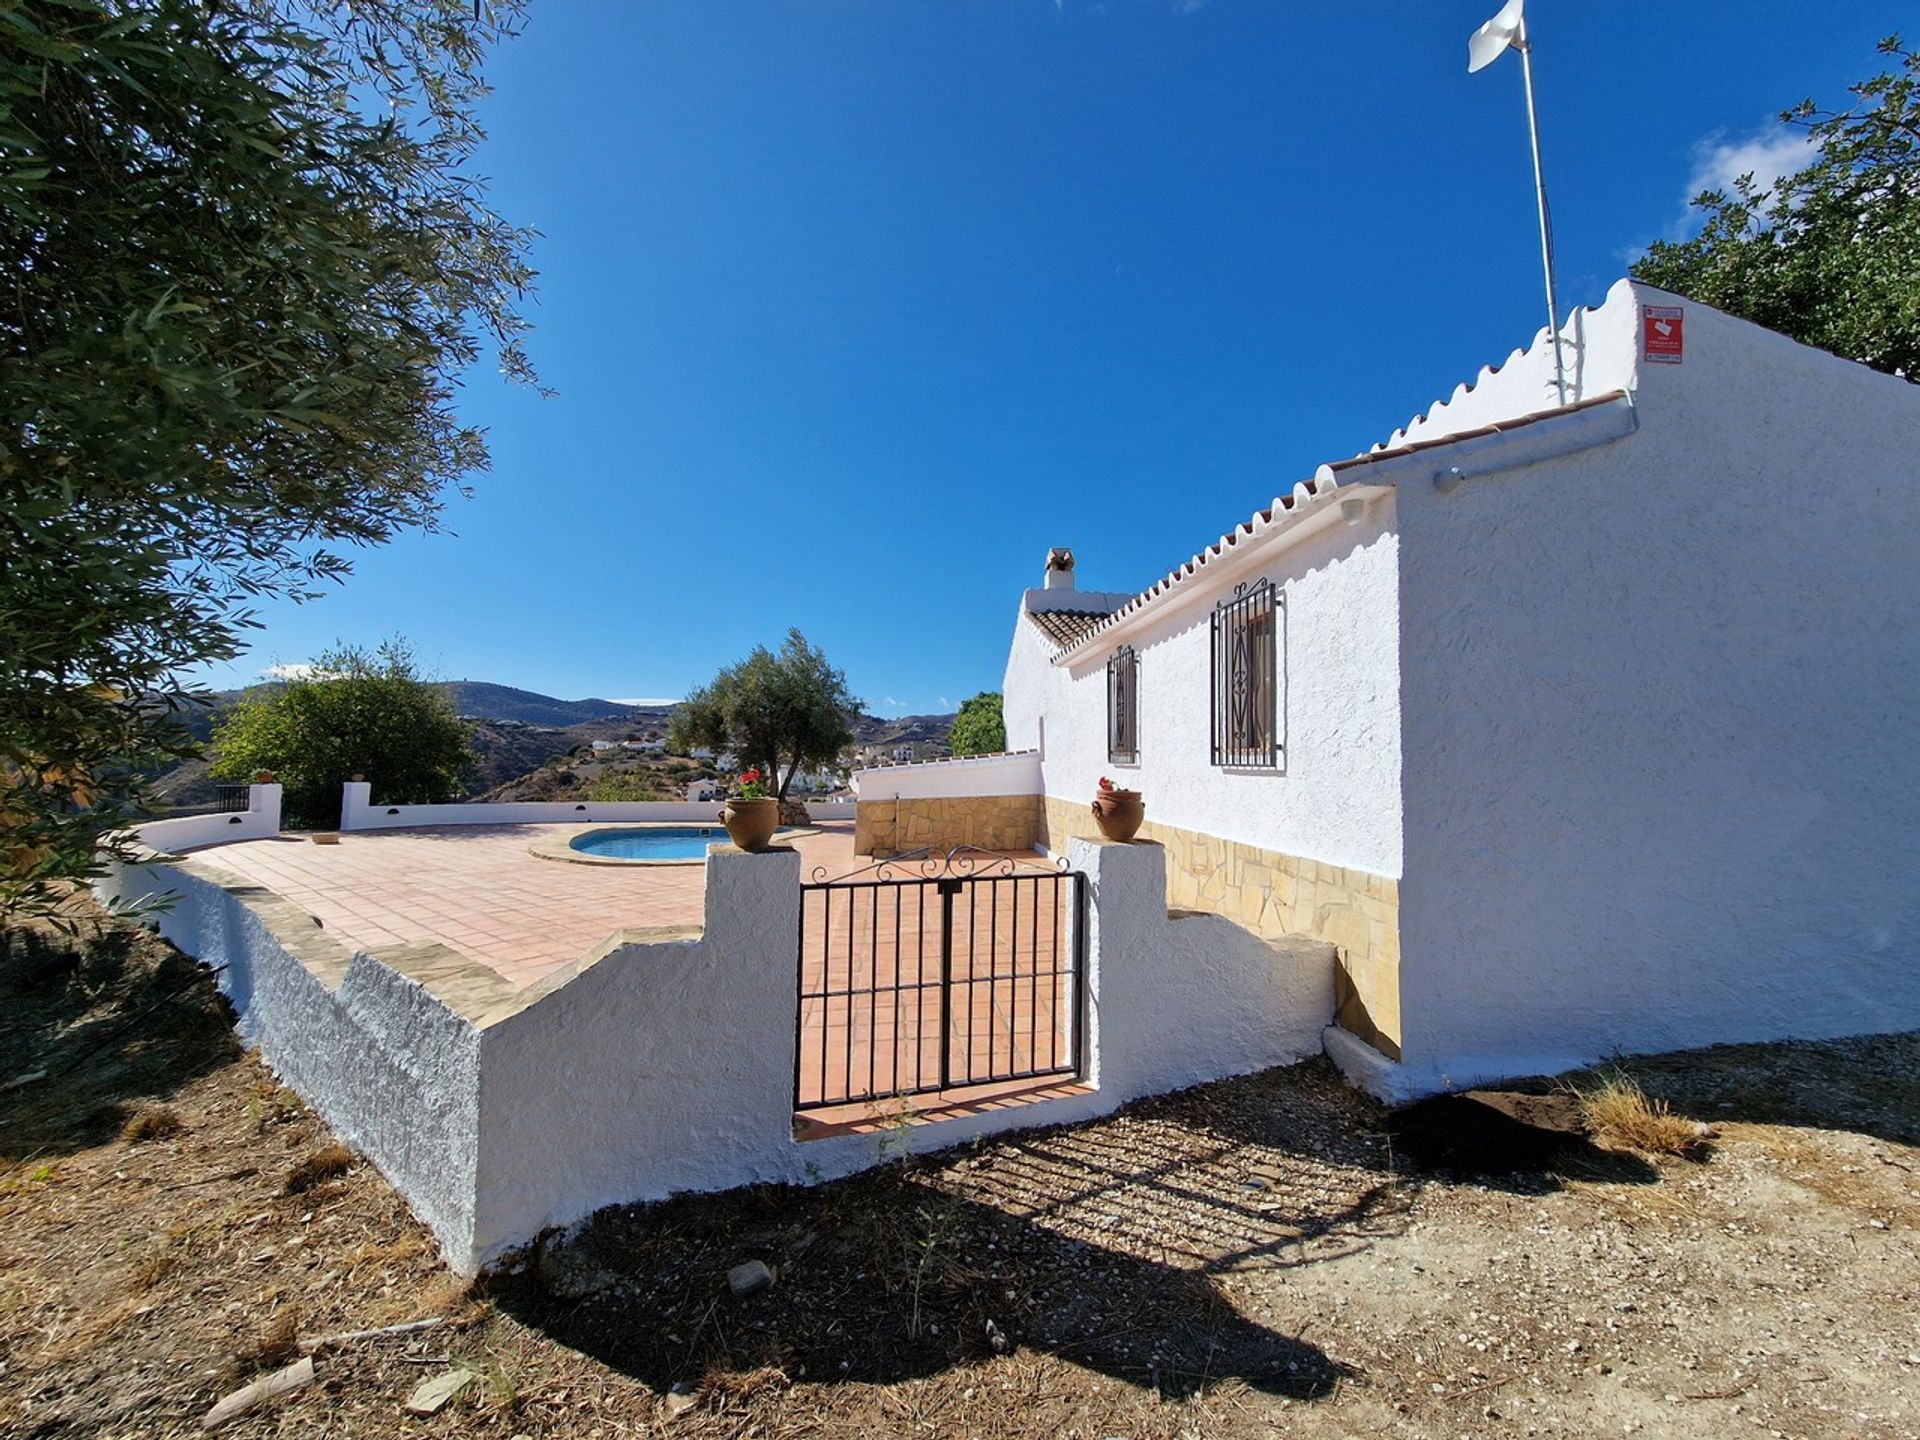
(980, 728)
(792, 709)
(245, 268)
(1831, 254)
(354, 712)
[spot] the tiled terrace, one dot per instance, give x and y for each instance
(476, 889)
(870, 1007)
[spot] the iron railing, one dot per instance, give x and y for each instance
(232, 799)
(1123, 707)
(1246, 679)
(934, 972)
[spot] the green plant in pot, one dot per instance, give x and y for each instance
(1119, 813)
(753, 815)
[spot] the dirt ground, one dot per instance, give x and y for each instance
(1263, 1257)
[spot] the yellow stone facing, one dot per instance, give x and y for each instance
(1277, 896)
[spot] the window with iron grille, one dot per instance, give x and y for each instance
(1123, 707)
(1246, 691)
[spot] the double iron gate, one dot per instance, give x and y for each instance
(933, 972)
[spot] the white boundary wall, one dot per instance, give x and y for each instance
(665, 1064)
(260, 819)
(962, 776)
(358, 812)
(389, 1066)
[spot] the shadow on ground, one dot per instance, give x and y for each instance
(1522, 1138)
(1113, 1246)
(95, 1019)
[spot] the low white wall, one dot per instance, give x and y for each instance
(960, 777)
(1178, 1000)
(666, 1064)
(358, 812)
(388, 1065)
(261, 818)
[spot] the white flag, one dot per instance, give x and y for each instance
(1491, 40)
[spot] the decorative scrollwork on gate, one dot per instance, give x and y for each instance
(962, 862)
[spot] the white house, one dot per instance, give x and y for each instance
(1571, 725)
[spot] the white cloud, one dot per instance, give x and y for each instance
(889, 703)
(1718, 162)
(644, 700)
(287, 672)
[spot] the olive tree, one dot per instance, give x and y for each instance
(1830, 254)
(790, 709)
(246, 265)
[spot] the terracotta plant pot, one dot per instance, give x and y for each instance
(1119, 813)
(326, 837)
(265, 777)
(751, 823)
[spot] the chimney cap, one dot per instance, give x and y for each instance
(1060, 558)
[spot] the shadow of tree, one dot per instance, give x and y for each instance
(92, 1020)
(1118, 1246)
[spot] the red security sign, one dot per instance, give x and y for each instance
(1662, 332)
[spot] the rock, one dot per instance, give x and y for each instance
(680, 1399)
(749, 1279)
(794, 812)
(566, 1272)
(269, 1387)
(431, 1396)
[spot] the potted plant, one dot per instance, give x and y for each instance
(1119, 813)
(753, 815)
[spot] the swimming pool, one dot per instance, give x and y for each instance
(655, 842)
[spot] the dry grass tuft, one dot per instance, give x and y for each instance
(325, 1163)
(273, 1347)
(742, 1389)
(151, 1122)
(148, 1270)
(1621, 1116)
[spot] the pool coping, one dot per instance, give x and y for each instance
(559, 846)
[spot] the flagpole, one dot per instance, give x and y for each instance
(1525, 47)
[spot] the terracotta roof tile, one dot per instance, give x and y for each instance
(1065, 627)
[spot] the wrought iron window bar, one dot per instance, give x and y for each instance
(1245, 678)
(1123, 707)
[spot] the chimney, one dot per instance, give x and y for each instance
(1059, 568)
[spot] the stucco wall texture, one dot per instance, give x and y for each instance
(1631, 729)
(1659, 708)
(664, 1061)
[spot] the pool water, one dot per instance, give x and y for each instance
(677, 842)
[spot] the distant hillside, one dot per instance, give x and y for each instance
(486, 701)
(523, 736)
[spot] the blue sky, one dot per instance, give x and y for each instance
(854, 307)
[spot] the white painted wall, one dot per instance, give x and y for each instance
(358, 812)
(389, 1067)
(667, 1065)
(1336, 798)
(964, 775)
(1180, 1001)
(260, 819)
(1660, 700)
(1599, 352)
